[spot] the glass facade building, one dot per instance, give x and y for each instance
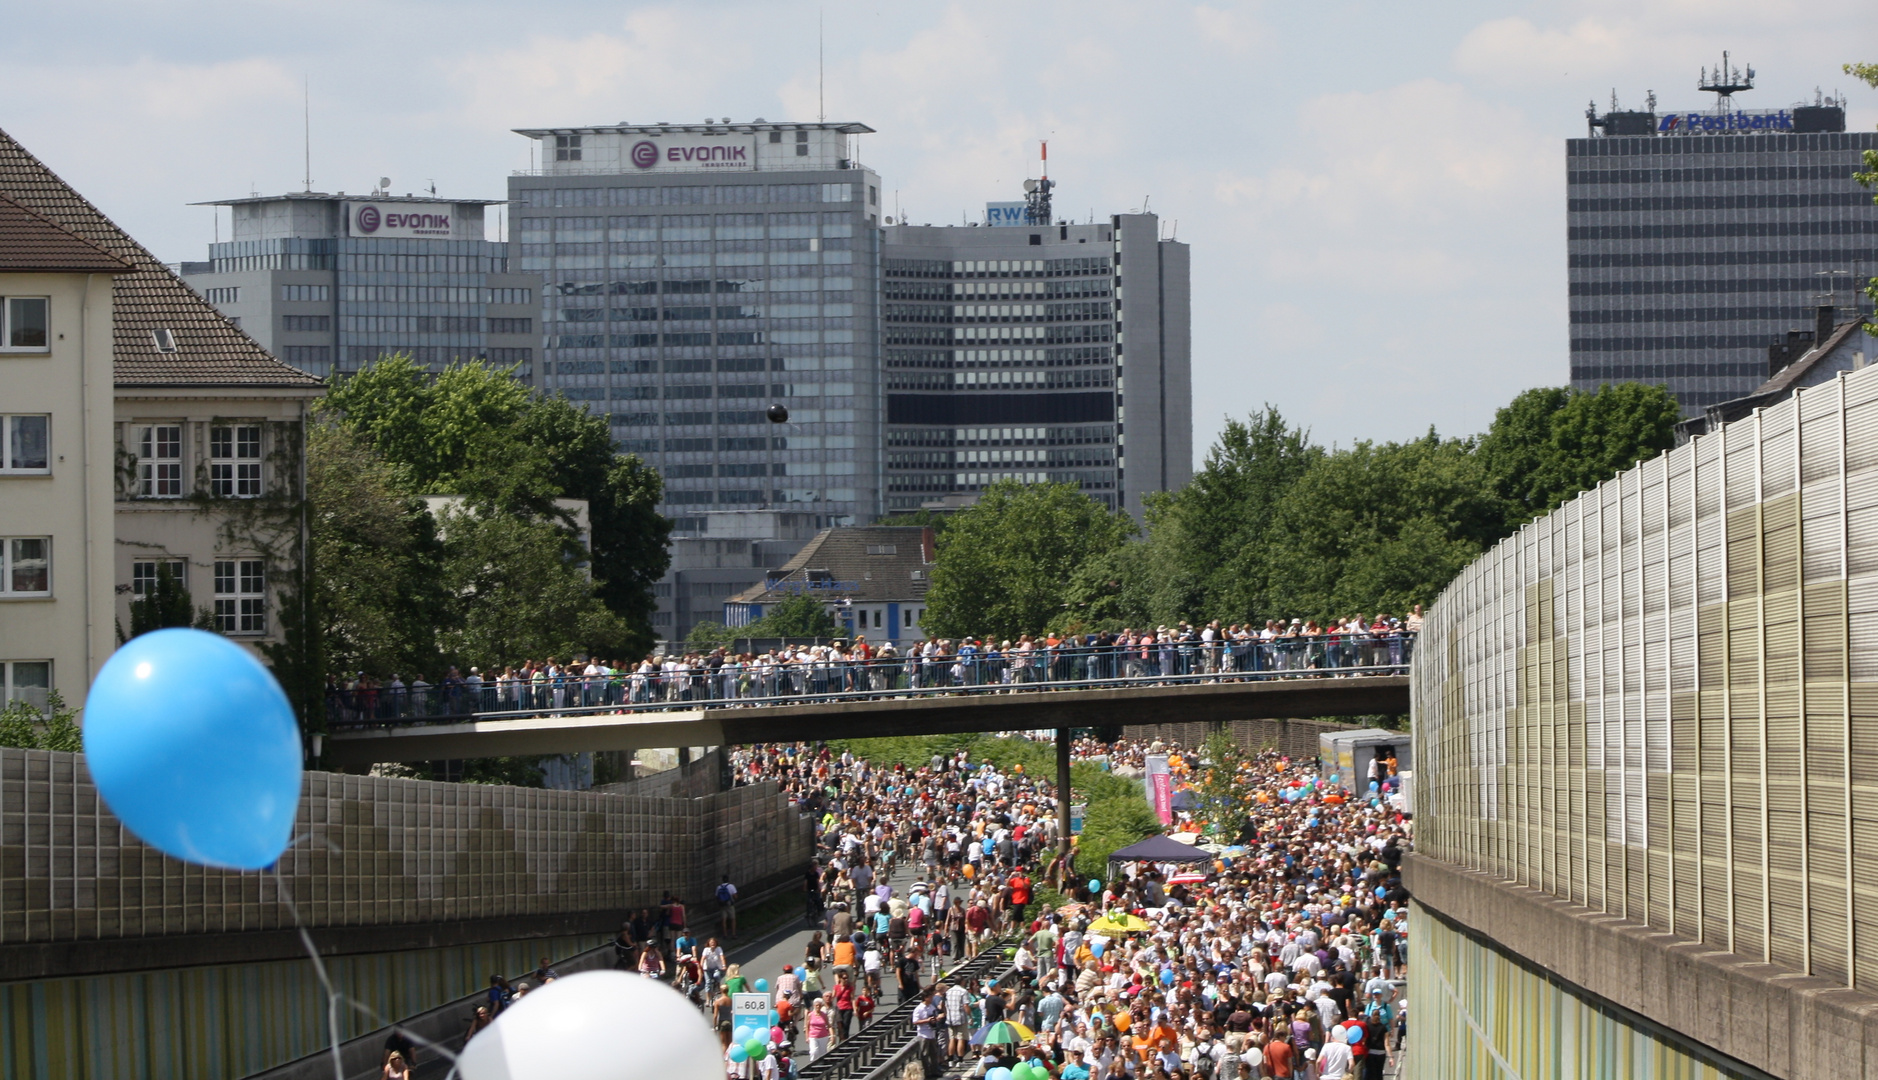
(696, 275)
(1008, 356)
(1692, 253)
(329, 283)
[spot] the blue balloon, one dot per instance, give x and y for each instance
(1167, 976)
(1095, 884)
(801, 972)
(774, 1018)
(999, 1073)
(1353, 1035)
(738, 1054)
(1096, 950)
(194, 747)
(762, 986)
(743, 1034)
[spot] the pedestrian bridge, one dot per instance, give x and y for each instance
(866, 712)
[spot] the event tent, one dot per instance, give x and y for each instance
(1160, 849)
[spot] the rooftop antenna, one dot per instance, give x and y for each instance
(433, 187)
(821, 71)
(306, 125)
(1037, 193)
(1724, 82)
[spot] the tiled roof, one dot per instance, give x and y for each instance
(865, 563)
(210, 350)
(31, 244)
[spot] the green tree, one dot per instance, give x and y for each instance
(474, 431)
(1222, 523)
(165, 604)
(378, 593)
(798, 616)
(707, 635)
(1003, 566)
(517, 593)
(1868, 177)
(24, 727)
(1551, 443)
(1381, 527)
(1222, 788)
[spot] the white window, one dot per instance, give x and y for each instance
(25, 443)
(26, 680)
(235, 461)
(143, 574)
(160, 461)
(240, 596)
(23, 323)
(26, 566)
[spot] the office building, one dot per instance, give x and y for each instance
(1036, 352)
(143, 432)
(1697, 239)
(331, 282)
(698, 273)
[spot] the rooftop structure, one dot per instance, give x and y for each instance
(331, 281)
(873, 580)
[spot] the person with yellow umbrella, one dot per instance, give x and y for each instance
(1119, 922)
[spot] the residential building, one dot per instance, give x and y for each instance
(206, 444)
(56, 462)
(872, 580)
(698, 273)
(1806, 358)
(1036, 352)
(1696, 239)
(331, 282)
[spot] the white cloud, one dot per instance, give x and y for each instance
(1234, 30)
(1513, 50)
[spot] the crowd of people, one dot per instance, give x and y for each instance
(1282, 957)
(1299, 648)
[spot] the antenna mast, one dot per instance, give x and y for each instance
(1037, 194)
(1724, 82)
(306, 125)
(821, 71)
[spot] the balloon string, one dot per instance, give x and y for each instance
(334, 998)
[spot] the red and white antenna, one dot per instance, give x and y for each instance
(1037, 193)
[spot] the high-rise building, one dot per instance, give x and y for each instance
(1037, 352)
(698, 273)
(1697, 239)
(331, 282)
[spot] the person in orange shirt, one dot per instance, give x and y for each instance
(1020, 897)
(843, 952)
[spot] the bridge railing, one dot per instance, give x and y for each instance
(740, 685)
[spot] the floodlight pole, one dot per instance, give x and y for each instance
(1063, 797)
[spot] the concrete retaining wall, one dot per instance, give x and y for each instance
(1767, 1017)
(374, 852)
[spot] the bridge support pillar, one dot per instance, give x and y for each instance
(1062, 806)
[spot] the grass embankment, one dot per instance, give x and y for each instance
(1117, 814)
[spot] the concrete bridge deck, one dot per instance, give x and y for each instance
(859, 716)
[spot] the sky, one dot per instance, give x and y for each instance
(1374, 193)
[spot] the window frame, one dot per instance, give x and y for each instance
(10, 685)
(140, 587)
(234, 474)
(7, 328)
(10, 557)
(148, 479)
(7, 467)
(241, 611)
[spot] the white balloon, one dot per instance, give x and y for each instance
(597, 1025)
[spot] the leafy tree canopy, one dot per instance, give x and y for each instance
(1003, 566)
(474, 431)
(1868, 73)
